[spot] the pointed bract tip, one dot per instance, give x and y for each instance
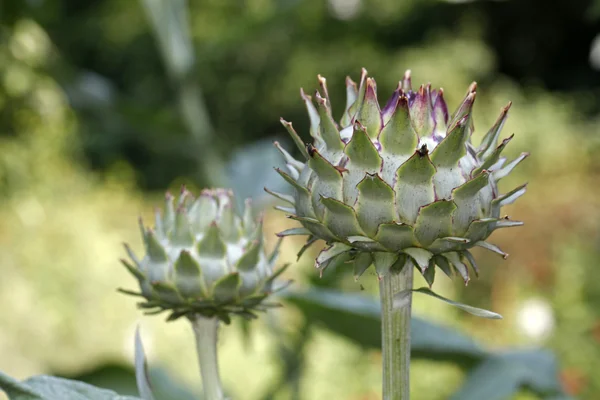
(504, 110)
(311, 149)
(358, 125)
(407, 74)
(363, 73)
(321, 79)
(473, 87)
(304, 96)
(423, 150)
(350, 82)
(322, 101)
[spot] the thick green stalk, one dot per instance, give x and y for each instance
(395, 333)
(206, 332)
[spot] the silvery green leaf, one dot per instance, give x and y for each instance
(478, 312)
(141, 368)
(51, 388)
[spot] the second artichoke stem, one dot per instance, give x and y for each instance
(206, 333)
(395, 333)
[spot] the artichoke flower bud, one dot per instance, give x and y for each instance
(203, 259)
(397, 186)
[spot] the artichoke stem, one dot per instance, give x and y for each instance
(395, 333)
(206, 333)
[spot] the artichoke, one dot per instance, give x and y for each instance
(397, 186)
(203, 259)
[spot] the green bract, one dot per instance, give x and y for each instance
(202, 258)
(399, 185)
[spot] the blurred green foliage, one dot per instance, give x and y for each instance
(91, 129)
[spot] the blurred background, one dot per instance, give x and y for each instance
(105, 105)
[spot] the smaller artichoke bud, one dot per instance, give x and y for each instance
(203, 259)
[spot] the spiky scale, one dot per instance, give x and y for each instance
(471, 260)
(304, 204)
(165, 291)
(315, 226)
(248, 223)
(169, 214)
(327, 128)
(491, 137)
(456, 262)
(507, 198)
(155, 249)
(360, 96)
(413, 186)
(434, 221)
(440, 113)
(369, 114)
(313, 114)
(420, 256)
(212, 244)
(203, 212)
(464, 109)
(506, 223)
(390, 107)
(351, 96)
(133, 270)
(294, 231)
(323, 168)
(292, 162)
(182, 233)
(492, 247)
(299, 143)
(395, 236)
(330, 252)
(282, 196)
(361, 151)
(449, 243)
(383, 262)
(421, 109)
(225, 290)
(442, 262)
(429, 273)
(361, 263)
(468, 206)
(375, 204)
(493, 157)
(188, 276)
(507, 169)
(406, 81)
(249, 260)
(323, 86)
(452, 148)
(340, 218)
